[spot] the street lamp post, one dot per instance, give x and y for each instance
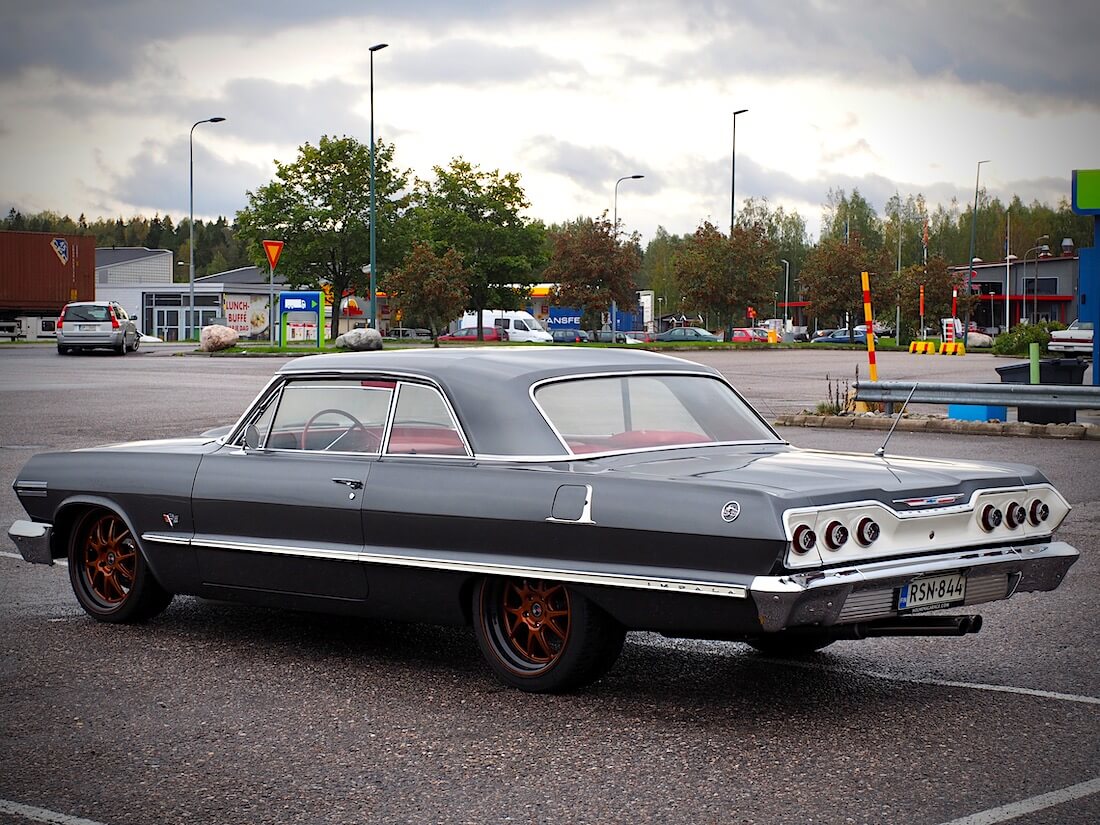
(615, 213)
(786, 291)
(191, 225)
(733, 169)
(1039, 248)
(373, 268)
(970, 260)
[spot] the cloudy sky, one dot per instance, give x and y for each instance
(97, 99)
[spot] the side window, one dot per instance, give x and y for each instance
(423, 425)
(346, 416)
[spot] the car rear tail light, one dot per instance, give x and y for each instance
(1038, 512)
(1015, 515)
(804, 539)
(114, 320)
(991, 518)
(867, 531)
(835, 535)
(61, 317)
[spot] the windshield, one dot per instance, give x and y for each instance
(639, 411)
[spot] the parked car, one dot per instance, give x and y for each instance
(687, 334)
(821, 333)
(759, 334)
(469, 334)
(518, 325)
(605, 336)
(409, 333)
(400, 484)
(96, 325)
(1076, 338)
(570, 336)
(841, 336)
(741, 335)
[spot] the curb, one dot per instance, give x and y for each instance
(1083, 432)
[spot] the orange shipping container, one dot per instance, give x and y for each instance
(41, 271)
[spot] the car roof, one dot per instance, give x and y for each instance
(490, 387)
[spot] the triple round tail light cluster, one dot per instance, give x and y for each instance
(836, 535)
(1013, 515)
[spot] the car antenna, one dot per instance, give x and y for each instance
(881, 451)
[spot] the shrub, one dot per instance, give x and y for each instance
(1020, 337)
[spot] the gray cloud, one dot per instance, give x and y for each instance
(1041, 53)
(469, 62)
(157, 181)
(1022, 49)
(592, 168)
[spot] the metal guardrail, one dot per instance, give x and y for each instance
(1001, 395)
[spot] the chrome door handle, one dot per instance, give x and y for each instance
(353, 483)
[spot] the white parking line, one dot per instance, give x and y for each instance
(42, 815)
(1042, 694)
(17, 557)
(720, 648)
(1029, 806)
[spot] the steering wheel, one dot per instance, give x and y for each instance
(356, 425)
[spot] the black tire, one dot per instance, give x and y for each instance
(62, 350)
(783, 644)
(541, 637)
(122, 349)
(109, 575)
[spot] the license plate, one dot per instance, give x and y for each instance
(933, 591)
(86, 327)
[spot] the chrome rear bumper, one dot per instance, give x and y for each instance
(32, 538)
(866, 592)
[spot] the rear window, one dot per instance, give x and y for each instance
(642, 411)
(87, 312)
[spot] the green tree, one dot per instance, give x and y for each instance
(319, 205)
(726, 274)
(851, 218)
(480, 215)
(938, 281)
(832, 282)
(658, 271)
(428, 289)
(593, 268)
(787, 233)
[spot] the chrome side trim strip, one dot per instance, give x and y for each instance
(30, 489)
(698, 587)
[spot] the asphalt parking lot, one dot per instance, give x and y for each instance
(227, 714)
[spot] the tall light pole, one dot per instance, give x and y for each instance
(615, 213)
(191, 226)
(786, 291)
(733, 169)
(970, 260)
(1037, 249)
(373, 259)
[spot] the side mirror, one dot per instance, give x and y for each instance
(251, 437)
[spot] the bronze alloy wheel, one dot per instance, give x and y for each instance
(533, 623)
(108, 560)
(108, 573)
(540, 636)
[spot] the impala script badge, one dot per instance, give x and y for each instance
(731, 511)
(930, 501)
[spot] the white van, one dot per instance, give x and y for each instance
(520, 325)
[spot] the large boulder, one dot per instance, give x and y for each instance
(978, 339)
(216, 337)
(360, 340)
